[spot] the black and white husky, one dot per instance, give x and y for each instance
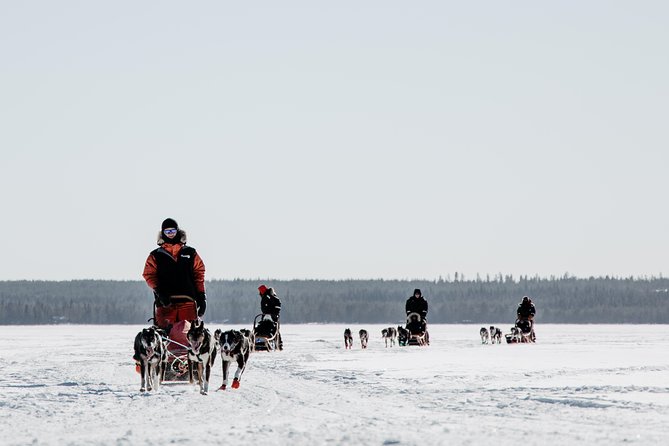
(201, 351)
(250, 336)
(151, 355)
(348, 339)
(484, 335)
(234, 346)
(364, 338)
(495, 335)
(403, 335)
(389, 334)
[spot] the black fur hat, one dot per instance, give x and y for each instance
(169, 223)
(417, 291)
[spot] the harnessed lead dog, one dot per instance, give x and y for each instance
(348, 339)
(364, 338)
(389, 334)
(484, 335)
(249, 335)
(493, 335)
(151, 355)
(234, 346)
(202, 351)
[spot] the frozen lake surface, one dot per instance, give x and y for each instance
(581, 384)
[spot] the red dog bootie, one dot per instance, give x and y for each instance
(223, 387)
(235, 383)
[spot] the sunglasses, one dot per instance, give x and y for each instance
(169, 231)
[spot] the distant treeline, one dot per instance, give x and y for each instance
(558, 300)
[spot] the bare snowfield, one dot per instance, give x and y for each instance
(581, 384)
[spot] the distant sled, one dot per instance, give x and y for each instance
(521, 333)
(265, 331)
(417, 328)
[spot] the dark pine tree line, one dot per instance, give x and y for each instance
(558, 299)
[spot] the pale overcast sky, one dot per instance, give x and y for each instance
(367, 139)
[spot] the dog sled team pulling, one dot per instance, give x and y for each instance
(414, 333)
(185, 351)
(179, 347)
(521, 333)
(161, 358)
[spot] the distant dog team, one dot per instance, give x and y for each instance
(494, 334)
(348, 338)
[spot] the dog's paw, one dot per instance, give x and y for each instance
(203, 392)
(235, 383)
(142, 389)
(223, 387)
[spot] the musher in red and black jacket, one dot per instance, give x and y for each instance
(175, 273)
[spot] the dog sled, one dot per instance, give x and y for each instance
(416, 327)
(175, 339)
(265, 333)
(176, 345)
(521, 333)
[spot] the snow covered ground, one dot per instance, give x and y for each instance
(582, 384)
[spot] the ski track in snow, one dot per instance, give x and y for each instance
(588, 384)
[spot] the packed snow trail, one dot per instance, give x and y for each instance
(589, 384)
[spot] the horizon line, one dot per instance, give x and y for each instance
(459, 277)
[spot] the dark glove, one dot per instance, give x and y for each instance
(201, 302)
(162, 300)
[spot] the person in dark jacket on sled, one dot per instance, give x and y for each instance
(525, 316)
(418, 304)
(175, 273)
(271, 305)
